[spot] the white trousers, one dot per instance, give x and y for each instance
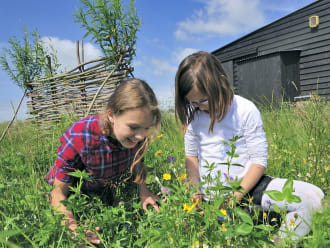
(299, 215)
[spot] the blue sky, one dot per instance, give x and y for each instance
(170, 30)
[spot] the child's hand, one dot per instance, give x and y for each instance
(150, 199)
(90, 236)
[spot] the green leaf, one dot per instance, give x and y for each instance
(276, 208)
(243, 229)
(275, 195)
(244, 216)
(293, 198)
(288, 188)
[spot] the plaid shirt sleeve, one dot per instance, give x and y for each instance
(69, 154)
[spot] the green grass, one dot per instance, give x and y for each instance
(298, 148)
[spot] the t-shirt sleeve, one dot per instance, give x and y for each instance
(68, 157)
(191, 142)
(255, 137)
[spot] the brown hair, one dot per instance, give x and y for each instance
(205, 72)
(131, 94)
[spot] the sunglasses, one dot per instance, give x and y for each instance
(198, 104)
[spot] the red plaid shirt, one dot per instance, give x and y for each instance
(83, 147)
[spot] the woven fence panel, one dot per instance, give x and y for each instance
(71, 93)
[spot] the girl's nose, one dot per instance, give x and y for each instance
(141, 134)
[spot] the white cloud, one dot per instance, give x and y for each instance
(66, 52)
(162, 67)
(222, 17)
(182, 53)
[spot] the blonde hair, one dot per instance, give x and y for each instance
(204, 72)
(131, 94)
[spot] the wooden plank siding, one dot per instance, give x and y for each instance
(289, 33)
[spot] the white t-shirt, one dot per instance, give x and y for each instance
(243, 119)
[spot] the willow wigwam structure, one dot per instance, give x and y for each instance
(81, 91)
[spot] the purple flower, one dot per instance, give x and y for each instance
(171, 159)
(225, 174)
(51, 181)
(165, 190)
(269, 202)
(220, 218)
(232, 179)
(127, 226)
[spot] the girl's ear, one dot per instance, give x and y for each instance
(110, 115)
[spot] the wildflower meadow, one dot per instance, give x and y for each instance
(298, 139)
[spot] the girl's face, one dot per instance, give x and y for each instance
(197, 99)
(132, 126)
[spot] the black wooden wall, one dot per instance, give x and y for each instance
(288, 34)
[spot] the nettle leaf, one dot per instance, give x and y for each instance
(244, 216)
(276, 208)
(243, 229)
(293, 198)
(275, 195)
(288, 188)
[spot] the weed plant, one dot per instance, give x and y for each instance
(298, 149)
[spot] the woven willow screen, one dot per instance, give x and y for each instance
(73, 92)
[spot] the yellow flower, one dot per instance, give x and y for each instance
(189, 208)
(107, 36)
(182, 177)
(166, 176)
(322, 179)
(223, 228)
(223, 211)
(171, 240)
(295, 215)
(265, 214)
(159, 152)
(160, 136)
(292, 220)
(274, 219)
(250, 200)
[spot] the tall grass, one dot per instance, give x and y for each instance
(298, 139)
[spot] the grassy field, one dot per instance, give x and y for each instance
(298, 139)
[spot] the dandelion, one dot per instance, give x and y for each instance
(223, 228)
(223, 211)
(159, 152)
(167, 176)
(182, 177)
(171, 159)
(265, 214)
(160, 136)
(189, 208)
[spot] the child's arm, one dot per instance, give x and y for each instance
(58, 194)
(147, 197)
(192, 168)
(251, 178)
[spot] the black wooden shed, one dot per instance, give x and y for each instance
(289, 57)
